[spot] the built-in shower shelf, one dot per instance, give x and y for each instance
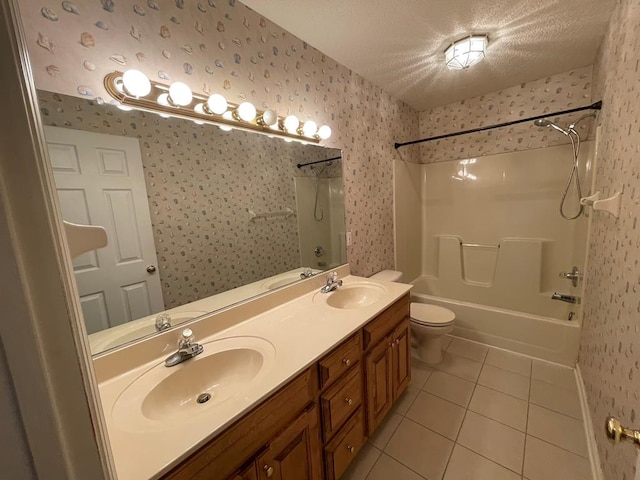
(610, 205)
(284, 213)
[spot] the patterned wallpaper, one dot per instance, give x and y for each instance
(547, 95)
(201, 183)
(610, 345)
(222, 46)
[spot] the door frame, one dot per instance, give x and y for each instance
(45, 342)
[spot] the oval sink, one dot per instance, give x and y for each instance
(355, 296)
(165, 395)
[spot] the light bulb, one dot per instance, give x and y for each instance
(124, 108)
(199, 108)
(226, 116)
(268, 118)
(163, 99)
(324, 132)
(164, 115)
(291, 123)
(309, 128)
(136, 83)
(246, 111)
(198, 122)
(217, 104)
(180, 94)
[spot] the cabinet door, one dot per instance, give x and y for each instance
(378, 383)
(295, 454)
(248, 473)
(401, 352)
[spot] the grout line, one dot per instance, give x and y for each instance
(558, 447)
(526, 424)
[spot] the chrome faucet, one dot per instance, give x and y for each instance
(574, 275)
(565, 298)
(163, 322)
(307, 273)
(332, 283)
(186, 349)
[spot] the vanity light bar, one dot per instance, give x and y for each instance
(193, 106)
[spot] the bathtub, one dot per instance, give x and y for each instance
(541, 337)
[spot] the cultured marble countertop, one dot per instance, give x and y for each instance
(300, 330)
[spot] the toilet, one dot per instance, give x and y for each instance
(428, 323)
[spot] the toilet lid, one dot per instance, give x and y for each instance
(426, 314)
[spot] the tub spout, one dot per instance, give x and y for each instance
(564, 298)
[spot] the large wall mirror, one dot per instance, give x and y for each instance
(196, 218)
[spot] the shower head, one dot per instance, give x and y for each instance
(542, 122)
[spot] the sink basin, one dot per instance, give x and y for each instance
(166, 396)
(355, 295)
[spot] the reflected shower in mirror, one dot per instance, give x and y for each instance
(197, 218)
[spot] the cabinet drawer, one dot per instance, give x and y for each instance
(384, 323)
(340, 401)
(341, 451)
(333, 365)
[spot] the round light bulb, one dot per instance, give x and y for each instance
(309, 128)
(136, 83)
(217, 104)
(226, 116)
(164, 115)
(180, 94)
(246, 111)
(198, 122)
(291, 123)
(324, 132)
(163, 99)
(269, 118)
(199, 108)
(124, 108)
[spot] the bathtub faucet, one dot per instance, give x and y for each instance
(565, 298)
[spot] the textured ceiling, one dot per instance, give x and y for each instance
(399, 44)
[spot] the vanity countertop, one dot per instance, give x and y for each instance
(297, 333)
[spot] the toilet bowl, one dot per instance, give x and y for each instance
(428, 324)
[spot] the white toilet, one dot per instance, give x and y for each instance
(428, 323)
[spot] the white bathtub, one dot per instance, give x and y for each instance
(541, 337)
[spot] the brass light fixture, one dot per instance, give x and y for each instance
(133, 90)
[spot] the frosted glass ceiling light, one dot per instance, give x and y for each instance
(466, 52)
(136, 83)
(217, 104)
(291, 123)
(180, 94)
(309, 128)
(246, 111)
(324, 132)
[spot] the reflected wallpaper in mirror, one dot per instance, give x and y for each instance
(197, 218)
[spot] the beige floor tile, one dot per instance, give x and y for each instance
(543, 461)
(385, 430)
(437, 414)
(493, 440)
(459, 366)
(504, 381)
(387, 468)
(449, 387)
(499, 406)
(420, 373)
(555, 374)
(468, 349)
(558, 429)
(553, 397)
(420, 449)
(406, 399)
(363, 463)
(509, 361)
(467, 465)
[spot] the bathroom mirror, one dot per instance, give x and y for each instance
(196, 218)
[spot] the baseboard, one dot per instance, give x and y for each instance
(592, 447)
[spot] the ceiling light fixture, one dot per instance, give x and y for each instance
(468, 51)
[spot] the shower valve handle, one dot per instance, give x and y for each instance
(574, 275)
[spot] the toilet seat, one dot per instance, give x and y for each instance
(431, 315)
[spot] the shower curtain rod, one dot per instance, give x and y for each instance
(594, 106)
(300, 165)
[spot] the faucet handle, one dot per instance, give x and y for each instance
(185, 338)
(332, 277)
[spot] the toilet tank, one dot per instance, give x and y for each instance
(387, 276)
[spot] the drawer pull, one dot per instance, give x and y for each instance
(268, 470)
(346, 362)
(348, 401)
(351, 449)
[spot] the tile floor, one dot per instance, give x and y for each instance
(482, 414)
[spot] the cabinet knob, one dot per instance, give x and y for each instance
(346, 362)
(351, 449)
(348, 401)
(268, 470)
(397, 341)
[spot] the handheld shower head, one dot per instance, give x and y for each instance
(542, 122)
(584, 117)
